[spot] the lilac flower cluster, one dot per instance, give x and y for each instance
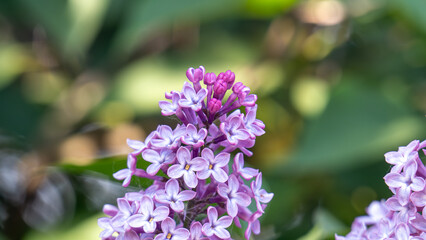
(194, 194)
(402, 216)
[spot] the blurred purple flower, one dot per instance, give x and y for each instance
(406, 182)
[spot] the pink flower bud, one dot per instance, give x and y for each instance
(220, 87)
(229, 78)
(195, 75)
(238, 87)
(209, 78)
(190, 74)
(214, 105)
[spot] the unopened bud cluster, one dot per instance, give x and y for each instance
(198, 189)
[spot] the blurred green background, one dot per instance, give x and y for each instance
(339, 84)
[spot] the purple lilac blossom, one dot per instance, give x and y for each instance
(170, 108)
(168, 226)
(172, 196)
(234, 198)
(168, 138)
(233, 130)
(193, 137)
(158, 159)
(403, 215)
(215, 165)
(147, 216)
(194, 194)
(187, 167)
(238, 167)
(217, 226)
(260, 195)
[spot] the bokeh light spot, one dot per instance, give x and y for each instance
(323, 12)
(310, 96)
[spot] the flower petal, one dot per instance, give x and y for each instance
(172, 187)
(222, 159)
(212, 215)
(136, 221)
(121, 174)
(168, 225)
(177, 206)
(222, 233)
(403, 195)
(220, 175)
(394, 180)
(181, 234)
(190, 179)
(153, 169)
(160, 213)
(186, 195)
(204, 174)
(231, 207)
(183, 155)
(150, 155)
(207, 229)
(175, 171)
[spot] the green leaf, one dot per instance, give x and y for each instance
(325, 226)
(71, 24)
(107, 167)
(412, 11)
(87, 229)
(357, 125)
(145, 17)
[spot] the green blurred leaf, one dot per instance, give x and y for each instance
(87, 229)
(72, 24)
(412, 11)
(268, 8)
(108, 166)
(51, 14)
(14, 60)
(325, 226)
(144, 17)
(86, 18)
(357, 124)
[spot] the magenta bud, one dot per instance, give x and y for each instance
(190, 74)
(198, 75)
(230, 78)
(195, 75)
(220, 87)
(238, 87)
(209, 79)
(214, 105)
(221, 75)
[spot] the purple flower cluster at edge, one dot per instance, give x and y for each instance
(198, 189)
(402, 216)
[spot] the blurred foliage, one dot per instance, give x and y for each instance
(339, 84)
